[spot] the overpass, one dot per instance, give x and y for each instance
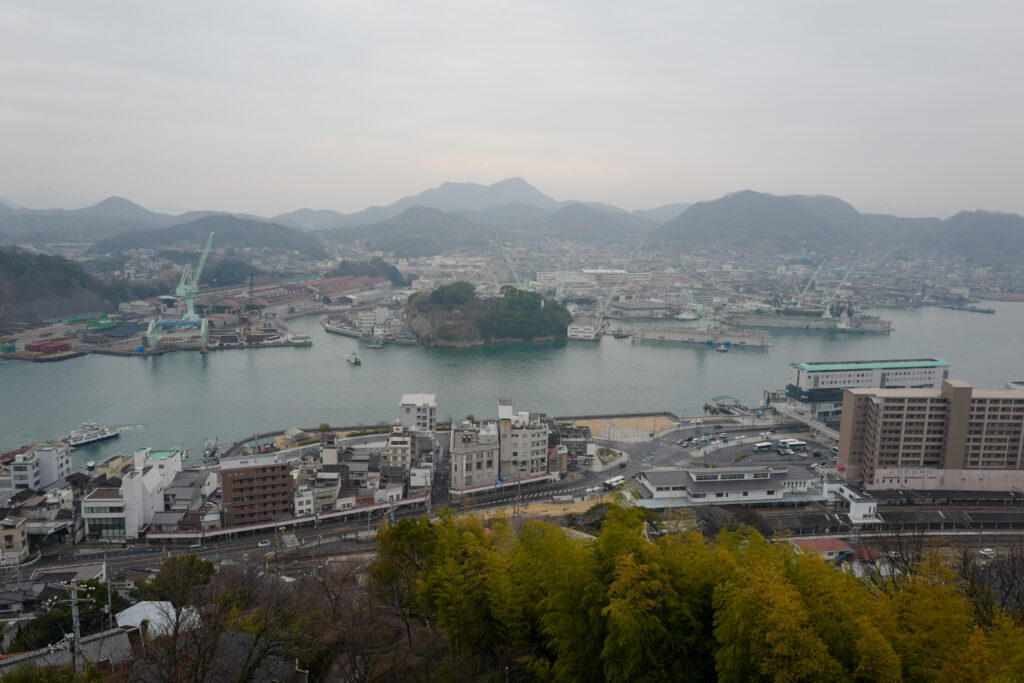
(815, 426)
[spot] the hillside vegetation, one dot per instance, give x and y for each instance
(34, 287)
(451, 315)
(375, 267)
(536, 604)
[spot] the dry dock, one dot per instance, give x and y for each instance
(684, 335)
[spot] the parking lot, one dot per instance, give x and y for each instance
(737, 449)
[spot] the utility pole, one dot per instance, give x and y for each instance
(79, 664)
(110, 607)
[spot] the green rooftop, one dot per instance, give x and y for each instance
(873, 365)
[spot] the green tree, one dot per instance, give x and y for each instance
(175, 581)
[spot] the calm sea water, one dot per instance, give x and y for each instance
(185, 398)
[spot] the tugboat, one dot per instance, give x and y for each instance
(353, 358)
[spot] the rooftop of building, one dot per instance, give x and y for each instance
(830, 366)
(419, 399)
(104, 494)
(160, 454)
(687, 477)
(821, 545)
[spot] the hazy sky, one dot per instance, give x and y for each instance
(913, 108)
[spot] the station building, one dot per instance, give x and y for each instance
(662, 488)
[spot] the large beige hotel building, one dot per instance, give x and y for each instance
(952, 438)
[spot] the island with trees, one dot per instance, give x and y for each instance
(452, 315)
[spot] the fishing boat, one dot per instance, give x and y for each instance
(353, 359)
(722, 348)
(210, 448)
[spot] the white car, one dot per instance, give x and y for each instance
(263, 544)
(987, 553)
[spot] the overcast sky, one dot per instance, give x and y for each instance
(913, 108)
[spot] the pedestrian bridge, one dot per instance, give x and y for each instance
(815, 426)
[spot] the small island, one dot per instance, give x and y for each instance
(453, 316)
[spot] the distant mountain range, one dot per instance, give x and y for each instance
(755, 218)
(232, 232)
(470, 214)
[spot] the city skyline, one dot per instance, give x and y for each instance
(270, 107)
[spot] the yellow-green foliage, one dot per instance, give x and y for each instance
(682, 608)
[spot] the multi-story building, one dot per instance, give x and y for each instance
(54, 461)
(15, 546)
(523, 442)
(125, 512)
(955, 437)
(473, 456)
(820, 385)
(25, 471)
(418, 411)
(255, 488)
(399, 450)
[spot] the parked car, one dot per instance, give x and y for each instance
(987, 553)
(263, 544)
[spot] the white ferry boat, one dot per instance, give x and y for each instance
(90, 432)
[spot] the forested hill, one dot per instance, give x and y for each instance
(451, 315)
(34, 287)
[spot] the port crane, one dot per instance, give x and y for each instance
(800, 297)
(189, 285)
(705, 314)
(191, 325)
(831, 302)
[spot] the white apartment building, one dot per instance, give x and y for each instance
(523, 443)
(125, 512)
(25, 471)
(418, 412)
(54, 461)
(380, 322)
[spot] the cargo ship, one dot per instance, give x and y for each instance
(89, 433)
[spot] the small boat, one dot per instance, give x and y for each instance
(210, 448)
(376, 344)
(353, 358)
(621, 334)
(723, 348)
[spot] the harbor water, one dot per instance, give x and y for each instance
(183, 399)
